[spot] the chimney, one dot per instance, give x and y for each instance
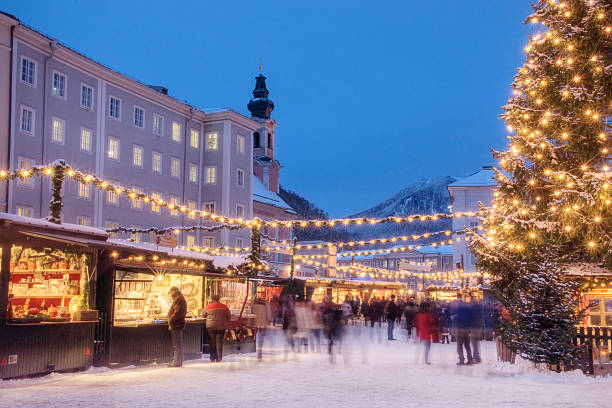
(160, 89)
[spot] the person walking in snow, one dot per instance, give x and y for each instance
(217, 315)
(176, 325)
(263, 317)
(477, 312)
(463, 322)
(331, 317)
(365, 311)
(391, 313)
(410, 313)
(424, 322)
(347, 310)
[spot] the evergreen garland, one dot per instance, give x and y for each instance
(57, 181)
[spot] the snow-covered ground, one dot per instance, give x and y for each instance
(369, 372)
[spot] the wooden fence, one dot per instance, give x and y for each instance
(595, 350)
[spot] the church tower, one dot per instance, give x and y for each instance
(265, 167)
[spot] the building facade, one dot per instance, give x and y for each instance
(466, 195)
(59, 104)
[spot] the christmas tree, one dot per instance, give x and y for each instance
(552, 207)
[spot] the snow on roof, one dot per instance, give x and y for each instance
(215, 110)
(218, 261)
(438, 249)
(586, 269)
(484, 178)
(43, 223)
(262, 195)
(357, 257)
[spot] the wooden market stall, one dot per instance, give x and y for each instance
(133, 300)
(47, 275)
(338, 289)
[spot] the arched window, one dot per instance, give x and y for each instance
(270, 141)
(256, 139)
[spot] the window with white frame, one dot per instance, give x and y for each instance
(158, 125)
(87, 96)
(59, 85)
(28, 71)
(137, 202)
(155, 197)
(113, 148)
(111, 225)
(193, 172)
(83, 220)
(239, 242)
(84, 191)
(239, 211)
(208, 242)
(176, 132)
(240, 144)
(112, 197)
(114, 107)
(212, 142)
(191, 240)
(210, 207)
(156, 163)
(139, 114)
(24, 211)
(211, 175)
(175, 202)
(137, 152)
(26, 164)
(192, 206)
(26, 124)
(194, 139)
(86, 140)
(58, 130)
(175, 167)
(240, 178)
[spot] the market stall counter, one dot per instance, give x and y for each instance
(46, 274)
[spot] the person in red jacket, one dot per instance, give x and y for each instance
(217, 315)
(424, 322)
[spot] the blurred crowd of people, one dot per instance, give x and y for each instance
(311, 326)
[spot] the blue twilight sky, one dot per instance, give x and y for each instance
(370, 96)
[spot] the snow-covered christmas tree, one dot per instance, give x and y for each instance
(553, 205)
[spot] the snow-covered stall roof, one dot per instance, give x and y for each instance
(585, 269)
(52, 227)
(482, 178)
(218, 261)
(262, 195)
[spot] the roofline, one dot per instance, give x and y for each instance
(63, 52)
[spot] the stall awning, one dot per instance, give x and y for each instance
(66, 239)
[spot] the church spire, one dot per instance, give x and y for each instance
(260, 106)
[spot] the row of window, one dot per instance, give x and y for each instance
(59, 135)
(59, 89)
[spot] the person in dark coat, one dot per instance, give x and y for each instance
(373, 310)
(410, 312)
(463, 322)
(477, 309)
(176, 325)
(391, 313)
(365, 311)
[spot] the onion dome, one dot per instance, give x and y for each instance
(260, 106)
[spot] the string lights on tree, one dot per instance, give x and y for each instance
(553, 204)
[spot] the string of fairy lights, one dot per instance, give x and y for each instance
(581, 194)
(159, 202)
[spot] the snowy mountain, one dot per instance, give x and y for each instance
(426, 196)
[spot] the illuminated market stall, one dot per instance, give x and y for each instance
(133, 300)
(47, 275)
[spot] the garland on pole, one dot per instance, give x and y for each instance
(57, 181)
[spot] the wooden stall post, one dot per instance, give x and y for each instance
(5, 274)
